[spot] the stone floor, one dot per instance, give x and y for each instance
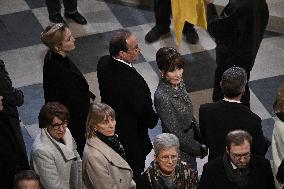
(22, 21)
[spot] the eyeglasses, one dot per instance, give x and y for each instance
(167, 158)
(64, 124)
(53, 29)
(239, 156)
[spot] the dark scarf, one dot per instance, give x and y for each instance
(232, 176)
(112, 142)
(280, 115)
(184, 178)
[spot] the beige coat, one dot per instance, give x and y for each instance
(277, 145)
(103, 168)
(59, 166)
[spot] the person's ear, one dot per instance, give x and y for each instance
(221, 84)
(227, 150)
(243, 91)
(57, 48)
(162, 73)
(121, 54)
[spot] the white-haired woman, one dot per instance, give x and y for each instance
(167, 171)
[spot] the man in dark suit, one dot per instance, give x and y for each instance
(238, 32)
(218, 118)
(238, 167)
(13, 156)
(125, 90)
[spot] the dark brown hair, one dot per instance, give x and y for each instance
(51, 110)
(118, 42)
(233, 82)
(237, 137)
(26, 175)
(168, 59)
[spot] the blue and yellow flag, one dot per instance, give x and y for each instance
(192, 11)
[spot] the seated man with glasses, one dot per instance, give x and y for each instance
(167, 171)
(54, 156)
(237, 168)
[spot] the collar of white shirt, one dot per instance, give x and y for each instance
(233, 165)
(122, 61)
(228, 100)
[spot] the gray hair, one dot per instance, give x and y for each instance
(233, 82)
(165, 141)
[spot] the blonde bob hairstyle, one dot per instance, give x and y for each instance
(278, 105)
(53, 35)
(97, 113)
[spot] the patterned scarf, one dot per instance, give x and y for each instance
(184, 178)
(112, 142)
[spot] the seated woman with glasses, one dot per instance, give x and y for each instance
(54, 156)
(174, 106)
(63, 82)
(104, 165)
(167, 171)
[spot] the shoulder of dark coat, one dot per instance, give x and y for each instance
(104, 60)
(260, 161)
(214, 165)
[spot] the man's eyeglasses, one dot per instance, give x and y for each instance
(167, 158)
(64, 124)
(239, 156)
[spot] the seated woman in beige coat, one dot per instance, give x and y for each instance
(54, 156)
(104, 165)
(277, 142)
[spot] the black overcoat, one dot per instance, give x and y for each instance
(63, 82)
(126, 91)
(260, 176)
(238, 32)
(217, 119)
(13, 155)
